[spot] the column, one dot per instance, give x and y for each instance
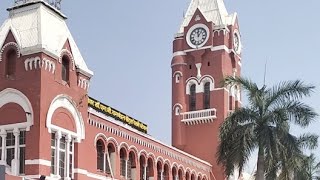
(3, 134)
(15, 164)
(104, 161)
(58, 137)
(161, 175)
(145, 172)
(126, 173)
(67, 164)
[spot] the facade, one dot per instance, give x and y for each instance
(51, 128)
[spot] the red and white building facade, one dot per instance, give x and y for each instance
(51, 127)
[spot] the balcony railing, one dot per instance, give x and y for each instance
(199, 117)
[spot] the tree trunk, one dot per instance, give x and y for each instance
(260, 164)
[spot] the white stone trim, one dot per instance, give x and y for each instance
(204, 80)
(111, 139)
(29, 177)
(91, 175)
(123, 145)
(64, 101)
(198, 66)
(38, 162)
(190, 82)
(36, 62)
(69, 54)
(177, 75)
(213, 48)
(179, 53)
(221, 47)
(176, 64)
(7, 45)
(177, 108)
(224, 30)
(199, 48)
(83, 83)
(97, 136)
(10, 95)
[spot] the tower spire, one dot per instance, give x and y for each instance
(213, 10)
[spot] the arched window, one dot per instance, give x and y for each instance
(142, 168)
(131, 167)
(180, 175)
(174, 173)
(110, 159)
(65, 69)
(187, 176)
(159, 170)
(192, 98)
(100, 155)
(150, 174)
(11, 63)
(165, 175)
(206, 96)
(123, 162)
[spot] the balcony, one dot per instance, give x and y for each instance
(199, 117)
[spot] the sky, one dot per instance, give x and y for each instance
(128, 45)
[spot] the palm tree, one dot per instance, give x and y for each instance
(309, 169)
(265, 125)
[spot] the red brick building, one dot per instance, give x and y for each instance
(50, 126)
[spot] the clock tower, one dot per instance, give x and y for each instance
(206, 49)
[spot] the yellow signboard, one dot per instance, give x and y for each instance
(109, 111)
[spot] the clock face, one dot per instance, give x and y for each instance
(237, 43)
(198, 36)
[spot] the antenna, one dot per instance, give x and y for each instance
(265, 71)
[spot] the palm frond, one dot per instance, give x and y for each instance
(288, 90)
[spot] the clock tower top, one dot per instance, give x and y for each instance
(213, 10)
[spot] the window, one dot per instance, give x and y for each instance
(149, 170)
(100, 155)
(62, 155)
(131, 166)
(11, 63)
(65, 69)
(22, 153)
(53, 152)
(10, 147)
(192, 98)
(8, 151)
(159, 171)
(123, 163)
(142, 169)
(206, 96)
(165, 175)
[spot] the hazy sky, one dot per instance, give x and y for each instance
(128, 45)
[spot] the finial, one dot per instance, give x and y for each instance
(54, 3)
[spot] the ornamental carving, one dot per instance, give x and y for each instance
(8, 45)
(38, 63)
(67, 53)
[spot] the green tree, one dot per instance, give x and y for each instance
(264, 124)
(309, 168)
